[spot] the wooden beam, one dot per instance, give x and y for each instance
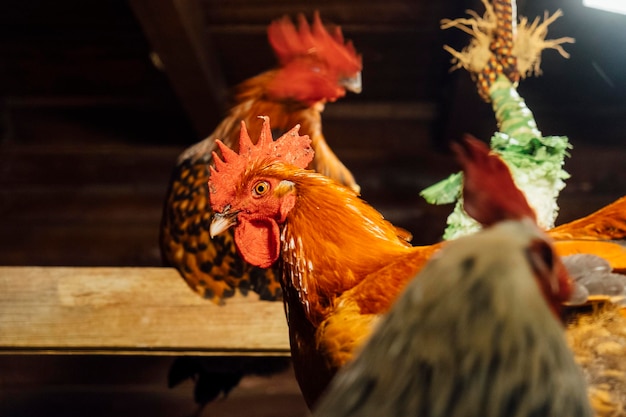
(177, 32)
(139, 311)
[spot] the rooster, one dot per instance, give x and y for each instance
(316, 67)
(342, 262)
(475, 333)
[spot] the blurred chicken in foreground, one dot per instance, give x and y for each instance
(316, 66)
(477, 332)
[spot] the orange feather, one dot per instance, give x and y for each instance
(593, 234)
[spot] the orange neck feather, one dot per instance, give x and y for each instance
(331, 241)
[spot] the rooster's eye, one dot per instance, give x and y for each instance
(260, 188)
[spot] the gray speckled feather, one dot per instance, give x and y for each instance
(470, 336)
(593, 275)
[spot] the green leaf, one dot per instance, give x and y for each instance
(445, 191)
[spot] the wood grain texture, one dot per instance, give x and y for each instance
(129, 310)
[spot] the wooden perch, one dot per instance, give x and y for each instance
(140, 311)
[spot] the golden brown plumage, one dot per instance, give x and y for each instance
(342, 262)
(598, 340)
(324, 66)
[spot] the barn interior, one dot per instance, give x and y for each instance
(97, 100)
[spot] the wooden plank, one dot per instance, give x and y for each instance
(175, 29)
(139, 311)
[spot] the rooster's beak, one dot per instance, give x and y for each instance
(222, 222)
(352, 83)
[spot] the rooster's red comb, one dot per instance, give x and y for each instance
(289, 42)
(489, 191)
(290, 148)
